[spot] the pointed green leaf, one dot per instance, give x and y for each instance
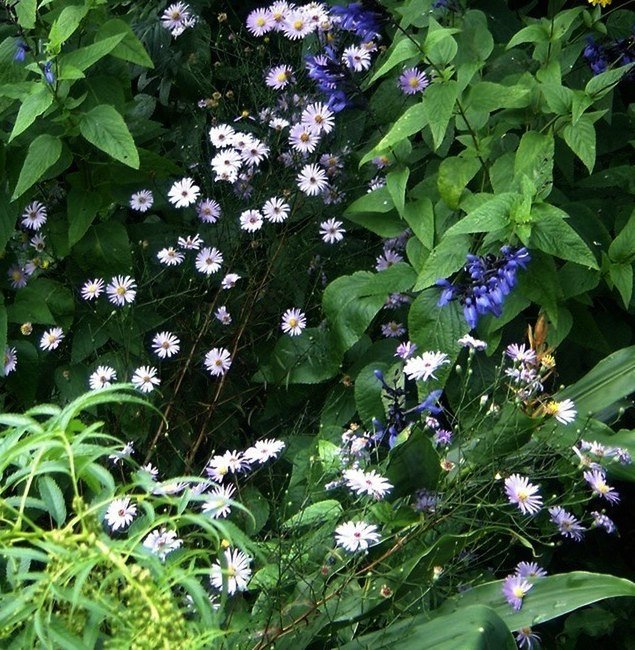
(491, 216)
(622, 248)
(402, 50)
(603, 83)
(438, 104)
(454, 175)
(43, 153)
(26, 11)
(622, 278)
(316, 513)
(104, 128)
(32, 107)
(83, 57)
(130, 48)
(581, 140)
(396, 182)
(53, 498)
(66, 24)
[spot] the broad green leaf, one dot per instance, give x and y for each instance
(378, 200)
(550, 597)
(438, 104)
(446, 258)
(316, 513)
(609, 381)
(473, 628)
(43, 153)
(104, 128)
(53, 498)
(130, 48)
(535, 33)
(581, 140)
(559, 98)
(412, 121)
(396, 182)
(413, 464)
(83, 57)
(31, 108)
(602, 84)
(552, 234)
(104, 250)
(66, 24)
(490, 216)
(368, 392)
(419, 215)
(82, 206)
(475, 45)
(454, 175)
(622, 277)
(622, 248)
(488, 96)
(534, 159)
(402, 50)
(25, 11)
(45, 302)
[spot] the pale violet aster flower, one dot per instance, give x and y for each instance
(413, 81)
(34, 215)
(223, 315)
(564, 412)
(567, 523)
(470, 342)
(92, 289)
(259, 22)
(370, 483)
(218, 361)
(145, 379)
(597, 480)
(296, 25)
(405, 350)
(9, 360)
(208, 260)
(263, 450)
(222, 135)
(530, 570)
(312, 180)
(425, 365)
(356, 58)
(121, 290)
(319, 117)
(514, 589)
(102, 377)
(208, 210)
(170, 256)
(162, 542)
(520, 353)
(142, 200)
(527, 639)
(275, 210)
(190, 243)
(356, 535)
(125, 452)
(17, 276)
(303, 138)
(51, 338)
(279, 77)
(251, 220)
(293, 322)
(522, 493)
(183, 193)
(165, 344)
(177, 18)
(229, 281)
(332, 231)
(254, 152)
(217, 502)
(120, 513)
(234, 571)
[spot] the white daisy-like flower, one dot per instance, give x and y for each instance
(222, 135)
(162, 542)
(38, 242)
(217, 503)
(217, 468)
(303, 138)
(312, 180)
(234, 571)
(92, 289)
(9, 360)
(150, 470)
(425, 365)
(332, 231)
(218, 361)
(370, 483)
(297, 26)
(229, 281)
(208, 211)
(169, 487)
(208, 260)
(227, 161)
(170, 256)
(190, 243)
(34, 215)
(263, 450)
(177, 18)
(183, 193)
(51, 338)
(279, 11)
(125, 452)
(279, 77)
(319, 117)
(356, 535)
(293, 322)
(259, 22)
(251, 220)
(356, 58)
(275, 210)
(565, 412)
(470, 342)
(145, 379)
(228, 177)
(120, 513)
(17, 276)
(102, 377)
(254, 152)
(121, 290)
(223, 315)
(165, 344)
(278, 123)
(142, 200)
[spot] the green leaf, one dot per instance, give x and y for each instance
(609, 381)
(603, 83)
(559, 98)
(412, 121)
(419, 215)
(130, 48)
(446, 258)
(488, 96)
(490, 216)
(316, 513)
(622, 278)
(438, 105)
(581, 140)
(26, 11)
(45, 302)
(104, 250)
(412, 465)
(368, 392)
(81, 207)
(378, 200)
(552, 234)
(8, 217)
(622, 248)
(531, 34)
(454, 175)
(399, 51)
(534, 159)
(104, 128)
(396, 182)
(66, 24)
(32, 107)
(43, 153)
(83, 57)
(550, 597)
(472, 628)
(53, 498)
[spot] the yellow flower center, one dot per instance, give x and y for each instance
(518, 592)
(293, 322)
(298, 24)
(282, 76)
(413, 82)
(260, 21)
(121, 291)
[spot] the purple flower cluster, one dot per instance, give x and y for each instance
(601, 57)
(490, 279)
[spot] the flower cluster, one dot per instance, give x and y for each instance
(516, 586)
(489, 279)
(601, 57)
(177, 18)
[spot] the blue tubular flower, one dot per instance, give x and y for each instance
(49, 75)
(355, 18)
(430, 403)
(21, 48)
(448, 293)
